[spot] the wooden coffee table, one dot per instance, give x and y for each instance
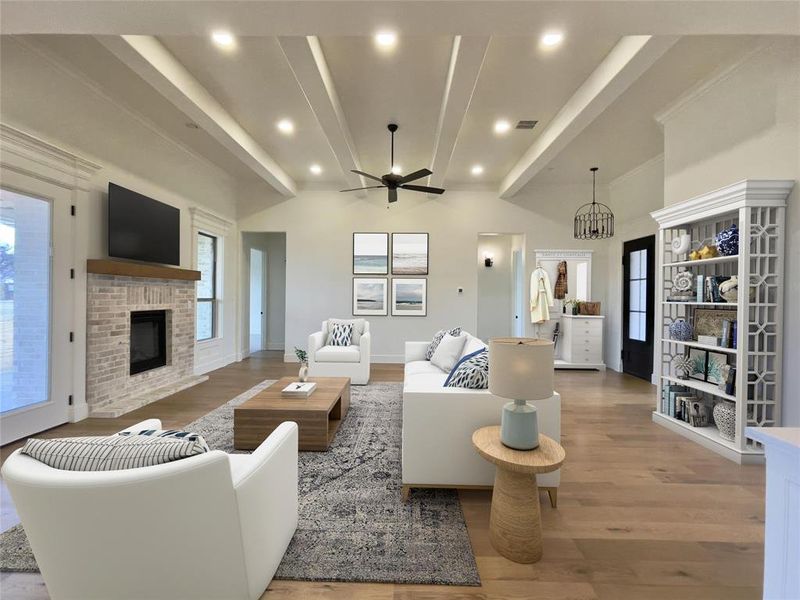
(317, 417)
(515, 524)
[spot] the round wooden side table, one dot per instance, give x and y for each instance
(515, 525)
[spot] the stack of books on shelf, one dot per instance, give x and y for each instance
(678, 402)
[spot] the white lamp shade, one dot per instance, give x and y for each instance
(521, 368)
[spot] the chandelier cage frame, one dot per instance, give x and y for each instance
(594, 220)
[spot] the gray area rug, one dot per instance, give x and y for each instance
(353, 524)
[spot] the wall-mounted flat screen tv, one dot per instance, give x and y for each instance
(140, 228)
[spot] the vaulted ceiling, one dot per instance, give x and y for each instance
(455, 70)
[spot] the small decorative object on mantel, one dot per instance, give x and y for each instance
(681, 244)
(728, 241)
(725, 418)
(595, 220)
(681, 330)
(302, 356)
(683, 365)
(520, 369)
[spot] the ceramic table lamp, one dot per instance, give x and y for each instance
(520, 369)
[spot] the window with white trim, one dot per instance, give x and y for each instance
(207, 248)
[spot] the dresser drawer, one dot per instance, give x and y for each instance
(581, 339)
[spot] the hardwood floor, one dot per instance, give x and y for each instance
(642, 512)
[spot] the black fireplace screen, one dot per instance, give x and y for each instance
(148, 340)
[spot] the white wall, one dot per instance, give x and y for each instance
(632, 197)
(273, 244)
(747, 125)
(319, 228)
(495, 300)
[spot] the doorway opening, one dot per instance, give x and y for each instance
(265, 291)
(638, 315)
(501, 285)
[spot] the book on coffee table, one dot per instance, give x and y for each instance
(298, 389)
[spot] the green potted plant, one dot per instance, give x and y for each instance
(575, 304)
(302, 356)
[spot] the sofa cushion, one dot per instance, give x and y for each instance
(341, 334)
(425, 382)
(420, 367)
(472, 345)
(338, 354)
(358, 329)
(111, 453)
(471, 372)
(438, 338)
(448, 352)
(186, 436)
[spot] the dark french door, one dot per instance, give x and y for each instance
(638, 315)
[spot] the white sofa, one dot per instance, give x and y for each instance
(211, 526)
(438, 423)
(340, 361)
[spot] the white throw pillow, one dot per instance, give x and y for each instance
(472, 345)
(448, 352)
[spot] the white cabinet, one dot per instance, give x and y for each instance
(580, 343)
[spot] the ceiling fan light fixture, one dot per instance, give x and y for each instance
(593, 221)
(397, 170)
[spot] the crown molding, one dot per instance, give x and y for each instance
(703, 87)
(745, 193)
(30, 155)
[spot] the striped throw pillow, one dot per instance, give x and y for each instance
(186, 436)
(112, 453)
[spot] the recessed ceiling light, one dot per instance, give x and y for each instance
(552, 38)
(476, 170)
(285, 126)
(315, 169)
(502, 126)
(386, 40)
(397, 169)
(223, 39)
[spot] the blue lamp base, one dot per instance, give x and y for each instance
(519, 426)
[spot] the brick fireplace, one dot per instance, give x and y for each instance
(117, 305)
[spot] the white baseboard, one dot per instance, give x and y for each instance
(78, 412)
(289, 357)
(275, 346)
(203, 367)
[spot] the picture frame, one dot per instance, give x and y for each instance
(409, 297)
(708, 321)
(370, 253)
(699, 361)
(715, 361)
(370, 296)
(410, 253)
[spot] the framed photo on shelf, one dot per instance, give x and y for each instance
(370, 253)
(708, 321)
(409, 254)
(715, 367)
(698, 368)
(370, 296)
(409, 297)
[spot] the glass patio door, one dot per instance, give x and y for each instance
(35, 312)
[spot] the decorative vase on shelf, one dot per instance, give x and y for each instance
(728, 241)
(725, 418)
(680, 330)
(303, 374)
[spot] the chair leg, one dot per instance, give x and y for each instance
(404, 492)
(553, 493)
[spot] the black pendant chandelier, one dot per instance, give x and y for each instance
(594, 221)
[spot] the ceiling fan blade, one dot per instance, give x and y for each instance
(423, 188)
(415, 175)
(369, 187)
(392, 195)
(367, 175)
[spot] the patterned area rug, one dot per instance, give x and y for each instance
(353, 524)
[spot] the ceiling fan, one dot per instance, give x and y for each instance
(394, 182)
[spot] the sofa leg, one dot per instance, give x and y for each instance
(404, 492)
(553, 493)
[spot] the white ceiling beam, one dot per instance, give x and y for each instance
(627, 61)
(310, 69)
(149, 59)
(466, 60)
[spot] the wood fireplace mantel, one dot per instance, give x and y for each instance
(128, 269)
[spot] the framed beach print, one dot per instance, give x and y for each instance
(715, 367)
(698, 368)
(370, 253)
(409, 254)
(409, 297)
(370, 296)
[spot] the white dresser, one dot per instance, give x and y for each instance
(580, 343)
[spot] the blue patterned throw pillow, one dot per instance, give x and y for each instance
(471, 372)
(437, 339)
(341, 334)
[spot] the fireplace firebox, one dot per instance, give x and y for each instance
(148, 340)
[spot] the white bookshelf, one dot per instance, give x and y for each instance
(758, 208)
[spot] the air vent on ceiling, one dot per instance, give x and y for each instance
(526, 124)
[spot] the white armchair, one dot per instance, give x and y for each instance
(211, 526)
(340, 361)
